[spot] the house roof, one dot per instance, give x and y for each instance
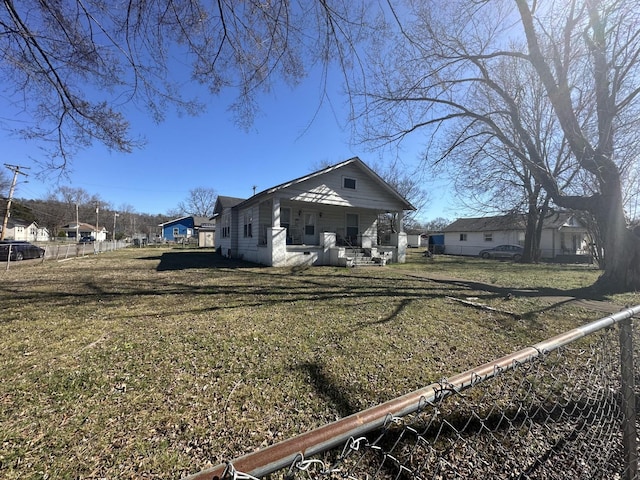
(81, 226)
(513, 221)
(226, 202)
(13, 222)
(197, 221)
(352, 161)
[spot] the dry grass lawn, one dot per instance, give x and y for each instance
(157, 363)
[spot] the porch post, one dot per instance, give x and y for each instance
(402, 238)
(277, 237)
(400, 221)
(275, 213)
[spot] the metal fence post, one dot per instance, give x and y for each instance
(629, 440)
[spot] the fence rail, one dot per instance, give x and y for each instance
(562, 408)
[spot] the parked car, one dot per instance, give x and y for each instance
(19, 250)
(511, 252)
(86, 240)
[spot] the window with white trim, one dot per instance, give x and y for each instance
(247, 227)
(488, 237)
(463, 237)
(226, 226)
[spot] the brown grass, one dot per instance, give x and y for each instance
(159, 363)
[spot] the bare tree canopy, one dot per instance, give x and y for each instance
(200, 202)
(73, 66)
(440, 76)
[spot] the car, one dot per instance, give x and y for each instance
(86, 240)
(19, 250)
(511, 252)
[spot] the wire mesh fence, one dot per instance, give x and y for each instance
(563, 408)
(70, 250)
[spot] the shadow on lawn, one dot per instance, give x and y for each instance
(186, 260)
(326, 387)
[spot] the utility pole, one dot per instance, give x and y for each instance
(16, 171)
(113, 235)
(97, 211)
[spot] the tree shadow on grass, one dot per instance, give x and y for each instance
(327, 388)
(171, 261)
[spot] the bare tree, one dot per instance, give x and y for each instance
(5, 184)
(586, 56)
(200, 202)
(74, 66)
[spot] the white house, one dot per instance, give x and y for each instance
(78, 230)
(562, 234)
(328, 217)
(27, 231)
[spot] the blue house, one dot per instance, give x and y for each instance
(182, 229)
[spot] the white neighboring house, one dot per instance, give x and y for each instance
(328, 217)
(23, 230)
(84, 230)
(562, 234)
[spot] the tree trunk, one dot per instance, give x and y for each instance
(531, 239)
(621, 246)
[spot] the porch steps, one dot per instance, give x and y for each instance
(359, 257)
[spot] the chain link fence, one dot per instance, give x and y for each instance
(563, 408)
(65, 251)
(70, 250)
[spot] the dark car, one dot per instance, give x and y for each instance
(86, 240)
(19, 250)
(511, 252)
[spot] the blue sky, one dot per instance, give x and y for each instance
(287, 140)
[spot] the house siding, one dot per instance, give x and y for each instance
(247, 247)
(476, 241)
(185, 228)
(328, 190)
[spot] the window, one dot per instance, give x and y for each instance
(248, 220)
(349, 183)
(176, 231)
(463, 237)
(309, 224)
(488, 237)
(285, 217)
(226, 226)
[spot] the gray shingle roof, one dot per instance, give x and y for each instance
(508, 222)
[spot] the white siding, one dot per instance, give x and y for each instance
(327, 189)
(248, 245)
(476, 241)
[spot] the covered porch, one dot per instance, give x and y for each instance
(293, 233)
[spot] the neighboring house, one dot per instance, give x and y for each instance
(78, 230)
(328, 217)
(23, 230)
(417, 240)
(562, 234)
(184, 228)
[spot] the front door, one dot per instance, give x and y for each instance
(352, 230)
(309, 234)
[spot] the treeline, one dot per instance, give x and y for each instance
(54, 213)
